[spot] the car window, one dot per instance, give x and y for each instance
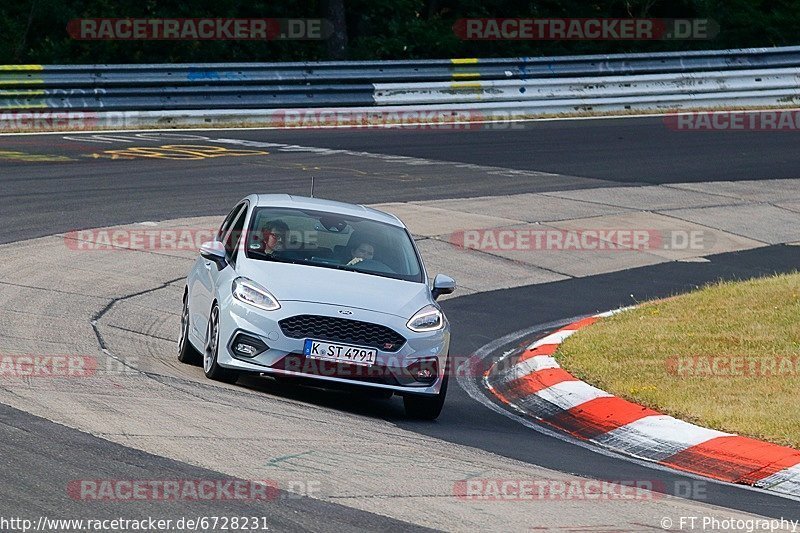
(223, 229)
(333, 241)
(234, 234)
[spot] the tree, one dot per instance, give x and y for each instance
(333, 10)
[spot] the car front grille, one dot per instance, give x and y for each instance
(342, 330)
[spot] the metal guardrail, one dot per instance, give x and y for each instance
(685, 83)
(525, 85)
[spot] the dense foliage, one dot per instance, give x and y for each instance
(34, 31)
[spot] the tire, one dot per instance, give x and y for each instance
(187, 353)
(426, 407)
(211, 369)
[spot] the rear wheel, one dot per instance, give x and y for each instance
(210, 366)
(426, 407)
(186, 352)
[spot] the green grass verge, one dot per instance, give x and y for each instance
(726, 356)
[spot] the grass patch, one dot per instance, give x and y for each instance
(726, 356)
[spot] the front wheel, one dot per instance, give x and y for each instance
(426, 407)
(211, 368)
(187, 353)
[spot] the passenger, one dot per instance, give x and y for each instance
(364, 250)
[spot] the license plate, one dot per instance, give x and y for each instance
(339, 352)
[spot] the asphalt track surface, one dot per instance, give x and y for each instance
(42, 198)
(629, 150)
(41, 458)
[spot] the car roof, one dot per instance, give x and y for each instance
(328, 206)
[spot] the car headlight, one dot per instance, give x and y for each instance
(248, 291)
(429, 318)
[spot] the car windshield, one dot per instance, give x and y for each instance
(332, 241)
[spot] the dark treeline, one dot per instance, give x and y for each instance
(35, 31)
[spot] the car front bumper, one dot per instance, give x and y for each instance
(284, 355)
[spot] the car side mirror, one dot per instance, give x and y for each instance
(214, 251)
(442, 285)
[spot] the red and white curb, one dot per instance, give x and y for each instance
(537, 386)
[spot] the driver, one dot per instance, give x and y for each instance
(364, 250)
(272, 237)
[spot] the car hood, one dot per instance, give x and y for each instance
(303, 283)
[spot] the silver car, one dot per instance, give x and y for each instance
(326, 291)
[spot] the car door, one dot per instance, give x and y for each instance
(203, 286)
